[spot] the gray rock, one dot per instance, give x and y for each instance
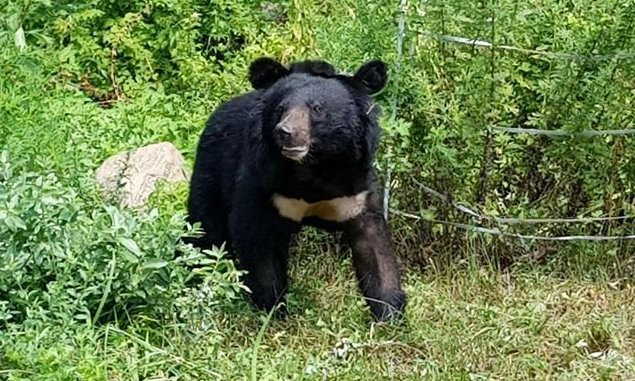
(132, 176)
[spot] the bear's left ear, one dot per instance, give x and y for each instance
(265, 71)
(373, 75)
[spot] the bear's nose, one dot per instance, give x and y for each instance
(283, 129)
(283, 133)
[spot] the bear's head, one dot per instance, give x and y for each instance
(311, 114)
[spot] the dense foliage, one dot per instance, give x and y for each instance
(82, 80)
(444, 104)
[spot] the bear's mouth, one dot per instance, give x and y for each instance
(295, 153)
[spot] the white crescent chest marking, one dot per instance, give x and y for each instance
(337, 209)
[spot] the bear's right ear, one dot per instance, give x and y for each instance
(265, 71)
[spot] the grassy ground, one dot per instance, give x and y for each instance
(462, 325)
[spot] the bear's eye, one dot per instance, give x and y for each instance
(318, 108)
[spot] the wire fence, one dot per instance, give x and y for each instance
(584, 133)
(513, 221)
(497, 232)
(557, 55)
(401, 33)
(566, 56)
(472, 212)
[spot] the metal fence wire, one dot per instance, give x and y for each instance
(473, 213)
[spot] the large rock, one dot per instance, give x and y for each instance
(132, 176)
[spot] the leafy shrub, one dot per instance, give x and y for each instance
(68, 257)
(108, 47)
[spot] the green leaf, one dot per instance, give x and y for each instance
(14, 223)
(154, 264)
(131, 245)
(20, 38)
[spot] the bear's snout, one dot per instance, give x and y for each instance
(293, 133)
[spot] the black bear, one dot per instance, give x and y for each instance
(297, 150)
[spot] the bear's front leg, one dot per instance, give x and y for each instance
(261, 239)
(376, 265)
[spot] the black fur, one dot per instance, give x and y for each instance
(264, 71)
(239, 168)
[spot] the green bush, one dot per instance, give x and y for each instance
(66, 257)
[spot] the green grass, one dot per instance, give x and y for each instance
(465, 324)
